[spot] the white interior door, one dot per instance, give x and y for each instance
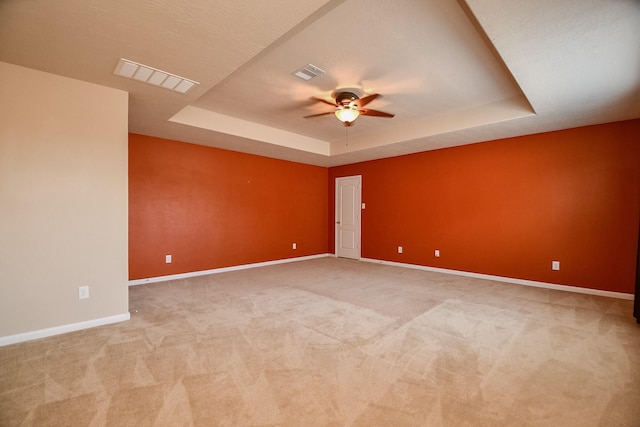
(348, 196)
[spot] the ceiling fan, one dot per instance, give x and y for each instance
(349, 106)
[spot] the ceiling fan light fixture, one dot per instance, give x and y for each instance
(347, 114)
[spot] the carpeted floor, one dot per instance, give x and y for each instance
(333, 342)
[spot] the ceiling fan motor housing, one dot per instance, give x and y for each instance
(346, 98)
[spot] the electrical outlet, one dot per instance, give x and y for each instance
(555, 265)
(83, 292)
(167, 259)
(399, 249)
(437, 253)
(295, 246)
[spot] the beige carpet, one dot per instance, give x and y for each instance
(333, 342)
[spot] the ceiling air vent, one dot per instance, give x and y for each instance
(153, 76)
(308, 72)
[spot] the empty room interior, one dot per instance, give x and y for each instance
(320, 213)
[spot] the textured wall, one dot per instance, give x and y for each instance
(63, 201)
(510, 207)
(212, 208)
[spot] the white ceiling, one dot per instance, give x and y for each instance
(452, 72)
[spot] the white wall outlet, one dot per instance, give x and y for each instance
(555, 265)
(167, 259)
(363, 205)
(83, 292)
(399, 249)
(295, 246)
(437, 253)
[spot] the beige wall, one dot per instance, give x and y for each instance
(63, 202)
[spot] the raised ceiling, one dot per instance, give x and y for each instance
(452, 72)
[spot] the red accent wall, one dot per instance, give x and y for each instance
(212, 208)
(510, 207)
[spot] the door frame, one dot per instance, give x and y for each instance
(337, 214)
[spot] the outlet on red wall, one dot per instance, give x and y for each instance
(215, 208)
(508, 207)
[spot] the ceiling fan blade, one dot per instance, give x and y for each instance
(366, 112)
(319, 114)
(333, 104)
(367, 99)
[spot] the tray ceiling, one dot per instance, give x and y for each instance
(452, 72)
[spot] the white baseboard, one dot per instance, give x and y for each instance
(57, 330)
(222, 270)
(533, 283)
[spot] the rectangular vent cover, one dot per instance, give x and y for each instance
(308, 72)
(153, 76)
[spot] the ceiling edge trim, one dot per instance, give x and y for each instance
(475, 21)
(204, 119)
(445, 123)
